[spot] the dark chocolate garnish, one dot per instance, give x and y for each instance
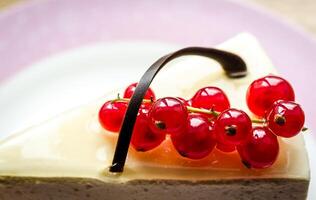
(232, 64)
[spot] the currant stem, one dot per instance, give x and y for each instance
(190, 108)
(201, 110)
(258, 121)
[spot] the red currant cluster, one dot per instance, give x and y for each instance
(206, 121)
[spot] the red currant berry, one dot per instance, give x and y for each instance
(286, 118)
(111, 115)
(225, 148)
(197, 140)
(263, 92)
(210, 98)
(168, 115)
(145, 106)
(143, 139)
(232, 127)
(260, 150)
(129, 91)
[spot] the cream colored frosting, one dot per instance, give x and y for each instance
(74, 145)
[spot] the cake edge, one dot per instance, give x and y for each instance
(88, 188)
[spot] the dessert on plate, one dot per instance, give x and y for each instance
(214, 124)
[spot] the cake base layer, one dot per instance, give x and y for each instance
(35, 188)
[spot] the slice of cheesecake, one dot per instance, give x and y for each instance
(68, 157)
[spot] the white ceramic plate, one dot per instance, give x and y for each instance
(68, 79)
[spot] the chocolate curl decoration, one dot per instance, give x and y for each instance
(232, 64)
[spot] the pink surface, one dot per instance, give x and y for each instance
(36, 29)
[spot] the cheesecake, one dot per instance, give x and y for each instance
(69, 156)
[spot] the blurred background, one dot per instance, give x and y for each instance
(302, 12)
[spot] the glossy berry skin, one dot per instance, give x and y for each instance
(111, 115)
(286, 118)
(261, 149)
(185, 102)
(232, 127)
(129, 91)
(143, 139)
(225, 148)
(263, 92)
(197, 140)
(168, 115)
(210, 98)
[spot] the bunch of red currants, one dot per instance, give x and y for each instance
(206, 121)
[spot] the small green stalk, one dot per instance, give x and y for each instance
(201, 110)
